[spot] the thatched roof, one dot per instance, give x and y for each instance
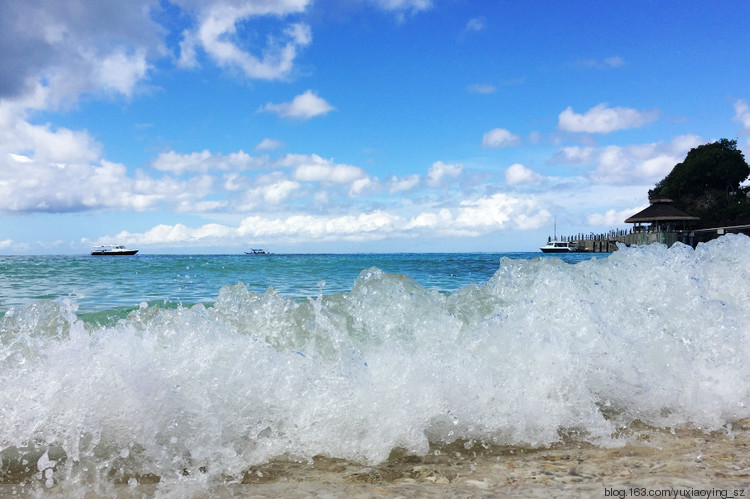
(661, 210)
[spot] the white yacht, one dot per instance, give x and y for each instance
(555, 246)
(113, 249)
(559, 247)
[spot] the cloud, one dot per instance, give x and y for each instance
(518, 174)
(403, 5)
(403, 184)
(470, 218)
(313, 168)
(375, 224)
(642, 164)
(479, 88)
(606, 63)
(103, 47)
(500, 211)
(47, 145)
(280, 191)
(614, 62)
(19, 158)
(612, 218)
(439, 170)
(742, 114)
(111, 47)
(173, 234)
(121, 71)
(500, 137)
(217, 26)
(64, 172)
(475, 24)
(535, 137)
(484, 88)
(574, 155)
(268, 144)
(263, 192)
(303, 107)
(202, 162)
(364, 186)
(56, 187)
(603, 119)
(430, 220)
(336, 174)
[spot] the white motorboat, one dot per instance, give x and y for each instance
(555, 246)
(559, 247)
(113, 250)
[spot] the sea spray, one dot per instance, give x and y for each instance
(541, 351)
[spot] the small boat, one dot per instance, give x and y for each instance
(254, 251)
(113, 249)
(555, 246)
(559, 247)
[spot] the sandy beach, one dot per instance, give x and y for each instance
(654, 463)
(658, 463)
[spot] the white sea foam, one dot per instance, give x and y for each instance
(542, 350)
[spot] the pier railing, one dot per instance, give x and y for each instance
(606, 242)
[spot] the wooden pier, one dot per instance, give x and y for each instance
(640, 236)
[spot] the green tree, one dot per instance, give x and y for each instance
(707, 184)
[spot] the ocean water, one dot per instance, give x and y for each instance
(190, 370)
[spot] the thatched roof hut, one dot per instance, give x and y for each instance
(661, 212)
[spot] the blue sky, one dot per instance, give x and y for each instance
(352, 126)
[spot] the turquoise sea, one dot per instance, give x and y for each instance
(191, 369)
(111, 284)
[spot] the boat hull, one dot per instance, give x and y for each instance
(114, 253)
(558, 250)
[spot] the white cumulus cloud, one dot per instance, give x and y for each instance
(217, 25)
(439, 170)
(303, 107)
(742, 116)
(205, 161)
(364, 186)
(403, 184)
(574, 155)
(122, 71)
(104, 47)
(643, 163)
(612, 217)
(280, 191)
(518, 174)
(500, 211)
(313, 168)
(467, 218)
(269, 144)
(603, 119)
(500, 137)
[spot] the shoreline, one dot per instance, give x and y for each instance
(654, 463)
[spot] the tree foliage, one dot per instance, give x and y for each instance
(707, 184)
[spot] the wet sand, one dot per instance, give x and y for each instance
(658, 463)
(655, 463)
